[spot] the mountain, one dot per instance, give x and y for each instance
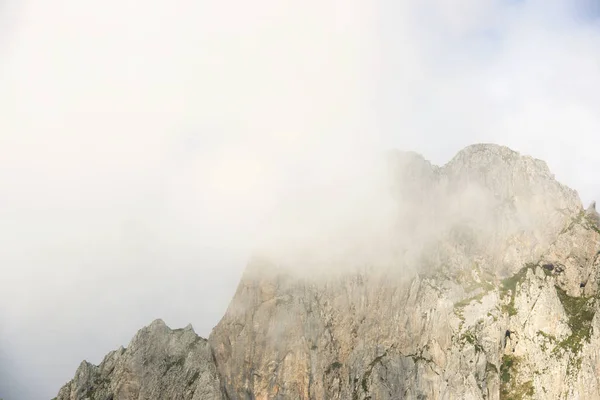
(483, 286)
(159, 363)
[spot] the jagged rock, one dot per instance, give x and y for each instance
(593, 215)
(159, 363)
(434, 324)
(491, 292)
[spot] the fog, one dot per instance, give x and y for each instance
(146, 149)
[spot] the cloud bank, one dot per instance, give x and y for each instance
(146, 148)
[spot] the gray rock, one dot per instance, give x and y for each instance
(159, 363)
(440, 323)
(491, 292)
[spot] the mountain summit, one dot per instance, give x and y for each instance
(488, 290)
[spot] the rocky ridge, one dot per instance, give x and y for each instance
(159, 363)
(492, 294)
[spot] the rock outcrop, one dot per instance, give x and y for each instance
(159, 363)
(442, 322)
(490, 291)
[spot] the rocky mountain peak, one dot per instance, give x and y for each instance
(489, 289)
(159, 363)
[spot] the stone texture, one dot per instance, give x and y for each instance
(159, 363)
(467, 296)
(491, 292)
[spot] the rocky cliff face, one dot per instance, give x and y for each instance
(492, 293)
(159, 363)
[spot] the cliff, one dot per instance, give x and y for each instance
(488, 290)
(159, 363)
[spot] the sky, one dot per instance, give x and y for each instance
(146, 147)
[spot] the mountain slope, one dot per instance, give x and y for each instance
(159, 363)
(435, 324)
(488, 290)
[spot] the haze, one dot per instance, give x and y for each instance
(146, 147)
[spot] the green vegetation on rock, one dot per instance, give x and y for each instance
(510, 389)
(469, 337)
(548, 338)
(585, 220)
(509, 286)
(335, 365)
(580, 311)
(508, 364)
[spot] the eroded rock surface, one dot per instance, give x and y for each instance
(159, 363)
(470, 310)
(490, 292)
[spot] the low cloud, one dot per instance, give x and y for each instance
(147, 149)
